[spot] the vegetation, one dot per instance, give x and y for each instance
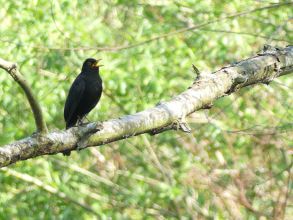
(236, 163)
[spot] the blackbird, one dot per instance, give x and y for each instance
(84, 94)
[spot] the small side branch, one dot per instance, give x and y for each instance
(13, 71)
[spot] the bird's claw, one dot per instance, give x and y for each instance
(86, 132)
(82, 124)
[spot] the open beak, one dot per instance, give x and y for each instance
(96, 64)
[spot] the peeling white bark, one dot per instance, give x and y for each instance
(262, 68)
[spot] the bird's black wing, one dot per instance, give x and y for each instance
(73, 99)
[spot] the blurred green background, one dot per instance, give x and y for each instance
(235, 164)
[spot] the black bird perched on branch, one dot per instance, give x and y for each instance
(84, 94)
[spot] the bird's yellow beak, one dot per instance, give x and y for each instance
(96, 64)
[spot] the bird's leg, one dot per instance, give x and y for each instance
(80, 121)
(86, 119)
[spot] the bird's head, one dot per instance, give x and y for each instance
(91, 64)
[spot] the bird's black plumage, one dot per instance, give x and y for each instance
(84, 94)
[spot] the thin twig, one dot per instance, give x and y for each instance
(91, 175)
(245, 33)
(243, 200)
(281, 204)
(30, 179)
(166, 173)
(169, 34)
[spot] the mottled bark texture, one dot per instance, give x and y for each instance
(262, 68)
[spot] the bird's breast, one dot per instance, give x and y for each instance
(94, 87)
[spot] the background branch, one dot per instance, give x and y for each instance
(32, 180)
(13, 71)
(162, 36)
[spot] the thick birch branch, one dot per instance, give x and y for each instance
(262, 68)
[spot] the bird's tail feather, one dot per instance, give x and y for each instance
(66, 153)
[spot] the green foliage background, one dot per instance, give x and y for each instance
(242, 149)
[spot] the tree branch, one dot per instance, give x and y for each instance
(262, 68)
(12, 69)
